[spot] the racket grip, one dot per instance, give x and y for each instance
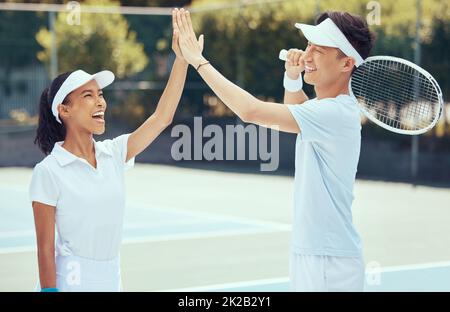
(283, 55)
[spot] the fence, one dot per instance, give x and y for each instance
(133, 97)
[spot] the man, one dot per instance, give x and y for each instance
(326, 248)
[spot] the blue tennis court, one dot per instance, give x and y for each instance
(217, 243)
(425, 277)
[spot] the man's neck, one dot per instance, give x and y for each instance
(332, 91)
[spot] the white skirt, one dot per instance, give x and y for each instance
(326, 273)
(77, 274)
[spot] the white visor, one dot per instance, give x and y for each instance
(76, 80)
(327, 34)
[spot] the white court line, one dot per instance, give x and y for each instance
(216, 217)
(163, 238)
(136, 204)
(210, 215)
(265, 227)
(212, 234)
(419, 266)
(259, 282)
(12, 250)
(251, 283)
(16, 233)
(137, 226)
(15, 188)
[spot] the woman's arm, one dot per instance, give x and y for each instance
(245, 105)
(167, 105)
(142, 137)
(44, 220)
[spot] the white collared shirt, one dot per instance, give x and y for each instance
(89, 201)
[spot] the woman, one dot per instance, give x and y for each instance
(79, 186)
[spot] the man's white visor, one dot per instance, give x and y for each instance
(329, 35)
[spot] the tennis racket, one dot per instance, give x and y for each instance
(395, 94)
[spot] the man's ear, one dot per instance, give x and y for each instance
(348, 64)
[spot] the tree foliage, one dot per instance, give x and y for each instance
(243, 41)
(100, 41)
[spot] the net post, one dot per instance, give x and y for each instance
(417, 57)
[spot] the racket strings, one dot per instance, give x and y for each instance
(385, 111)
(378, 76)
(395, 94)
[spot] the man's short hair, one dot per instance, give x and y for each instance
(354, 28)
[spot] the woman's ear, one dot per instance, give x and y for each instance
(348, 64)
(63, 111)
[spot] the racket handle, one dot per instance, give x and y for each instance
(283, 55)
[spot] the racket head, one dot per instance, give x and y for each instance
(397, 95)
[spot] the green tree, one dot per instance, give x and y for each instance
(243, 40)
(100, 41)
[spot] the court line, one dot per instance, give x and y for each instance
(216, 217)
(251, 283)
(15, 187)
(16, 233)
(260, 282)
(141, 225)
(213, 234)
(164, 238)
(205, 218)
(419, 266)
(130, 205)
(210, 215)
(13, 250)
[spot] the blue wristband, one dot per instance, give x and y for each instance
(49, 290)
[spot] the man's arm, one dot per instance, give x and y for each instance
(242, 103)
(294, 66)
(295, 97)
(246, 106)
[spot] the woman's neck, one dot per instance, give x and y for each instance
(80, 144)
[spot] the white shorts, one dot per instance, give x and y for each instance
(326, 273)
(77, 274)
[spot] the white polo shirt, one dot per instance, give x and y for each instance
(326, 159)
(89, 202)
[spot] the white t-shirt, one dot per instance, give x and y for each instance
(327, 154)
(89, 202)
